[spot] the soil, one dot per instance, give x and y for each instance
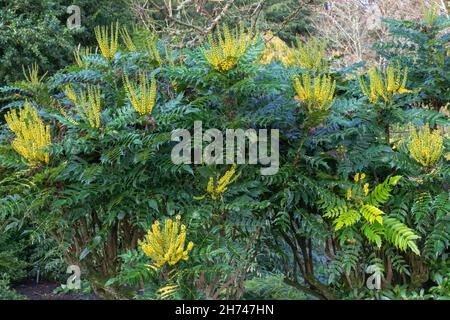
(44, 290)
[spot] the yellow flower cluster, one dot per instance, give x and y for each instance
(216, 189)
(79, 54)
(145, 41)
(385, 86)
(425, 146)
(276, 50)
(88, 105)
(317, 95)
(167, 245)
(129, 44)
(358, 177)
(108, 41)
(311, 54)
(224, 54)
(143, 95)
(70, 94)
(32, 74)
(32, 136)
(366, 189)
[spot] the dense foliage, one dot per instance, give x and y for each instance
(35, 31)
(362, 185)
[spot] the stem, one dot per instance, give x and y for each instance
(302, 142)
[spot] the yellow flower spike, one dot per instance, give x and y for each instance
(356, 177)
(168, 247)
(318, 94)
(349, 194)
(128, 41)
(167, 290)
(385, 86)
(210, 187)
(67, 117)
(32, 74)
(366, 189)
(79, 54)
(70, 94)
(153, 50)
(215, 189)
(311, 54)
(276, 50)
(425, 146)
(32, 136)
(223, 182)
(88, 105)
(363, 176)
(143, 95)
(224, 53)
(108, 40)
(94, 109)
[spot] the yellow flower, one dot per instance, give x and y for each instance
(108, 41)
(356, 177)
(317, 95)
(88, 105)
(70, 94)
(129, 44)
(311, 54)
(79, 54)
(32, 136)
(142, 96)
(222, 184)
(366, 189)
(32, 74)
(276, 50)
(67, 117)
(425, 146)
(166, 246)
(385, 86)
(349, 194)
(210, 187)
(143, 41)
(224, 53)
(363, 176)
(216, 189)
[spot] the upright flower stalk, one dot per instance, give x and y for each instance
(316, 94)
(108, 40)
(385, 86)
(217, 187)
(88, 105)
(166, 246)
(223, 54)
(311, 54)
(31, 74)
(426, 146)
(79, 54)
(142, 96)
(32, 135)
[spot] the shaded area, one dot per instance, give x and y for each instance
(45, 291)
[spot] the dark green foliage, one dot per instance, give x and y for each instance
(266, 236)
(287, 19)
(35, 31)
(424, 49)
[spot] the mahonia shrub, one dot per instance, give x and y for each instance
(349, 195)
(32, 135)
